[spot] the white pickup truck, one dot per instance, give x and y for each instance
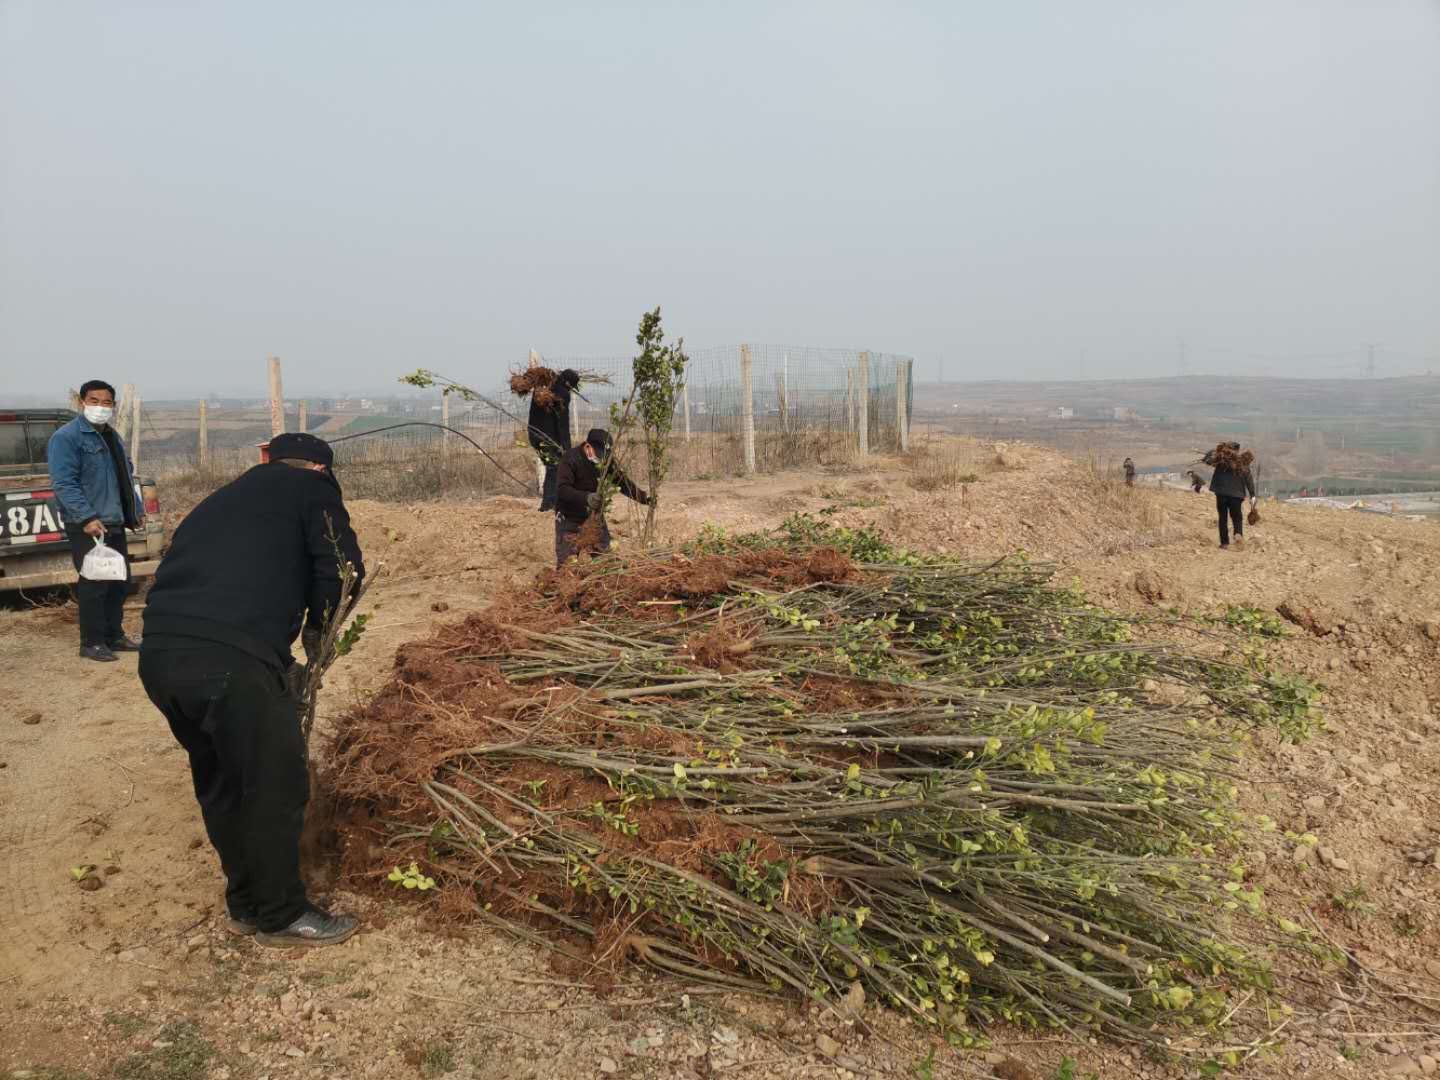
(34, 551)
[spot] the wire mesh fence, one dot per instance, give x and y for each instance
(744, 409)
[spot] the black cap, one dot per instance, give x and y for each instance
(600, 439)
(295, 444)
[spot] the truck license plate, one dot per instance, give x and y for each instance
(30, 517)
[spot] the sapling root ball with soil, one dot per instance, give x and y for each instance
(804, 759)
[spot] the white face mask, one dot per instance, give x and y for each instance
(99, 414)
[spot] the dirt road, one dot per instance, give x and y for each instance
(137, 975)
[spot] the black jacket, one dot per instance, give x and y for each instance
(578, 477)
(247, 565)
(1232, 484)
(549, 426)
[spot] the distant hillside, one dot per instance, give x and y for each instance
(1351, 434)
(1195, 397)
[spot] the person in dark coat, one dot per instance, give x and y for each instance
(577, 491)
(549, 428)
(1129, 473)
(92, 477)
(251, 568)
(1231, 482)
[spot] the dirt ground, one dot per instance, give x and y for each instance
(138, 979)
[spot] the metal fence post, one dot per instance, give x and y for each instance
(862, 422)
(747, 406)
(685, 393)
(902, 420)
(204, 437)
(277, 399)
(849, 399)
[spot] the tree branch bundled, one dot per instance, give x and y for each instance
(536, 380)
(803, 759)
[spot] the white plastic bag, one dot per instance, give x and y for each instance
(103, 563)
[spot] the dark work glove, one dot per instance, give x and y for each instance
(593, 501)
(644, 498)
(310, 642)
(295, 681)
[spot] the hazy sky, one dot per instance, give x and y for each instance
(1033, 188)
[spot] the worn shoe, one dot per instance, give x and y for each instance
(124, 643)
(240, 927)
(98, 652)
(315, 927)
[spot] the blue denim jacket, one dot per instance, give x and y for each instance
(83, 477)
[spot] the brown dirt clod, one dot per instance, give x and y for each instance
(1156, 587)
(1311, 617)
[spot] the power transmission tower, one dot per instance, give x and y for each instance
(1370, 348)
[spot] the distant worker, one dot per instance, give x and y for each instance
(1129, 473)
(251, 568)
(92, 477)
(1196, 484)
(1231, 482)
(578, 494)
(549, 427)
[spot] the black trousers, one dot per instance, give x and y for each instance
(102, 603)
(241, 728)
(1231, 510)
(547, 488)
(567, 539)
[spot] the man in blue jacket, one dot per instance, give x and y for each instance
(91, 475)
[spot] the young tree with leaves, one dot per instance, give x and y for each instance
(659, 377)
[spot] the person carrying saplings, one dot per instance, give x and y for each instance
(1231, 481)
(549, 429)
(577, 491)
(255, 565)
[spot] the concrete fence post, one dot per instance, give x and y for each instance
(747, 407)
(122, 412)
(134, 444)
(685, 395)
(277, 399)
(302, 422)
(204, 447)
(445, 422)
(862, 397)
